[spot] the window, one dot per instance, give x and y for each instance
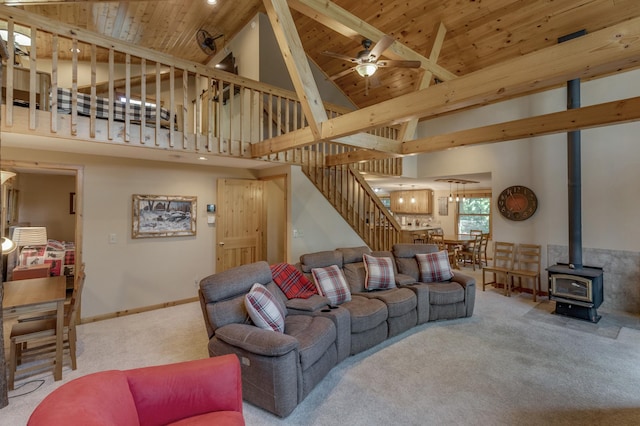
(474, 212)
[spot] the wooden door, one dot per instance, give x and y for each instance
(241, 222)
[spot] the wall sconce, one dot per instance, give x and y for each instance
(8, 246)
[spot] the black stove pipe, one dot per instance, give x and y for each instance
(575, 181)
(574, 172)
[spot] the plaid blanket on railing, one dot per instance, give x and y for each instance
(102, 107)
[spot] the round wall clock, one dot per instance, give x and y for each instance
(517, 203)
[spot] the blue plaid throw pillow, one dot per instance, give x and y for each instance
(379, 272)
(434, 267)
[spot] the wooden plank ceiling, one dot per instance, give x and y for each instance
(479, 33)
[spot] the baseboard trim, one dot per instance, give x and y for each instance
(137, 310)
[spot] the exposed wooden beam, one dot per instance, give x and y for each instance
(296, 61)
(357, 156)
(338, 19)
(372, 142)
(615, 112)
(408, 129)
(52, 2)
(612, 49)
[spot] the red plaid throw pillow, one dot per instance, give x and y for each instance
(379, 272)
(434, 267)
(263, 309)
(292, 282)
(331, 284)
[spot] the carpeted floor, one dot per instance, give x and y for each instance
(512, 363)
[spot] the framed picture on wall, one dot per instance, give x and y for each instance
(163, 216)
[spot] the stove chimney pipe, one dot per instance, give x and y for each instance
(574, 172)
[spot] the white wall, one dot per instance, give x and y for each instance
(610, 167)
(135, 273)
(44, 201)
(319, 225)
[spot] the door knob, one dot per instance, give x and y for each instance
(221, 244)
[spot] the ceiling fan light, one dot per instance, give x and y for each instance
(366, 69)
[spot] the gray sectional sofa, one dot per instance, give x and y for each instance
(280, 369)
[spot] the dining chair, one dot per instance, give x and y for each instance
(484, 243)
(527, 266)
(438, 240)
(475, 232)
(471, 252)
(503, 257)
(33, 343)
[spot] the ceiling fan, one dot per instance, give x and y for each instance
(368, 60)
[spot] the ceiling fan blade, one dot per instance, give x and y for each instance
(340, 56)
(341, 74)
(383, 44)
(403, 64)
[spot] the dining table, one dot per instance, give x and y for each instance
(458, 239)
(36, 295)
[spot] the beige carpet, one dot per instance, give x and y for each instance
(512, 363)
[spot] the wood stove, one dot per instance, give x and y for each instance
(576, 289)
(578, 292)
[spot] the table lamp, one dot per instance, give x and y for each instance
(29, 236)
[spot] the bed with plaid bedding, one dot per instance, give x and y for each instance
(102, 107)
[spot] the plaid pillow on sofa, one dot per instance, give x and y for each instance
(434, 267)
(379, 272)
(292, 282)
(263, 309)
(331, 284)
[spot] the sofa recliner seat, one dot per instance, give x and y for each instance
(369, 316)
(440, 300)
(278, 369)
(401, 302)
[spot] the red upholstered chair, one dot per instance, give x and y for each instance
(206, 391)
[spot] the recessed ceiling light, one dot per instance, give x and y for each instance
(202, 158)
(212, 1)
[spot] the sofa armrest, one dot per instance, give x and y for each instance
(256, 340)
(313, 303)
(167, 393)
(463, 280)
(404, 279)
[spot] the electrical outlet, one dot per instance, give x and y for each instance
(113, 238)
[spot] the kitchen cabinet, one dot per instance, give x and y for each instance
(401, 201)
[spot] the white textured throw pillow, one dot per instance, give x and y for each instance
(264, 310)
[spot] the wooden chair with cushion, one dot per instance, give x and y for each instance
(33, 343)
(527, 265)
(503, 257)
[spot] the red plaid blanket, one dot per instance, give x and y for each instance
(292, 282)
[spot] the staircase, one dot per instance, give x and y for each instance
(348, 192)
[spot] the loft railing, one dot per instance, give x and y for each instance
(72, 83)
